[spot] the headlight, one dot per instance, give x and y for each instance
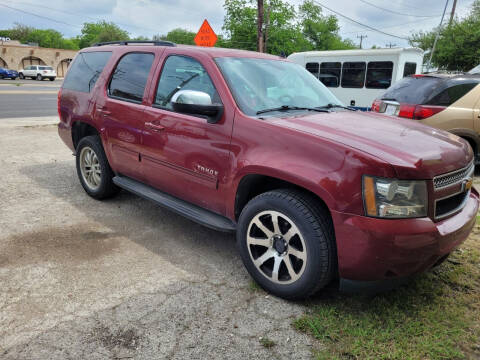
(391, 198)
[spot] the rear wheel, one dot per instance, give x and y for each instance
(39, 77)
(51, 79)
(93, 169)
(287, 244)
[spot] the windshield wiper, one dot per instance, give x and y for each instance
(331, 106)
(288, 107)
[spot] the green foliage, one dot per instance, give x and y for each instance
(434, 317)
(43, 37)
(178, 36)
(457, 47)
(287, 30)
(101, 31)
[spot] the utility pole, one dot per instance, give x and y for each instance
(260, 25)
(361, 37)
(436, 37)
(390, 45)
(267, 28)
(453, 12)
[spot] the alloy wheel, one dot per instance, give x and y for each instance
(90, 168)
(276, 247)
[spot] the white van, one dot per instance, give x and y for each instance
(357, 77)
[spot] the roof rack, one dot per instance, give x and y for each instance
(154, 42)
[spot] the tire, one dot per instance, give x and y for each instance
(306, 232)
(90, 155)
(39, 77)
(1, 77)
(21, 76)
(52, 79)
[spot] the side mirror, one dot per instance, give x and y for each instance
(197, 103)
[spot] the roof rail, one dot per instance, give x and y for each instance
(126, 42)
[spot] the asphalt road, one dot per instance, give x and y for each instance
(28, 98)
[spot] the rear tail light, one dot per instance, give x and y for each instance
(376, 105)
(419, 112)
(45, 71)
(58, 104)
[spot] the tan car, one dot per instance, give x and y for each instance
(448, 102)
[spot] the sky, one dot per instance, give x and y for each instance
(149, 17)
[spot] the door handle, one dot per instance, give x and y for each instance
(103, 111)
(154, 127)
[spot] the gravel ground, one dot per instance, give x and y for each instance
(123, 278)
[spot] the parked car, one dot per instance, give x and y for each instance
(38, 72)
(8, 74)
(448, 102)
(252, 143)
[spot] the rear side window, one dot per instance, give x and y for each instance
(45, 68)
(85, 70)
(330, 73)
(410, 68)
(130, 77)
(379, 74)
(448, 96)
(353, 74)
(413, 90)
(313, 68)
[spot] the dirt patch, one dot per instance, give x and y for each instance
(128, 339)
(57, 244)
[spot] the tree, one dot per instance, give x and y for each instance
(178, 36)
(286, 30)
(43, 37)
(321, 31)
(457, 47)
(101, 31)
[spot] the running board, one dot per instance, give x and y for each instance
(190, 211)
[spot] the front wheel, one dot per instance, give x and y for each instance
(39, 77)
(287, 243)
(93, 169)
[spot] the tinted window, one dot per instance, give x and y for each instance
(85, 70)
(448, 96)
(130, 76)
(45, 68)
(353, 74)
(409, 69)
(413, 90)
(183, 73)
(330, 73)
(379, 74)
(313, 68)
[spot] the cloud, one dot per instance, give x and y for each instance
(149, 17)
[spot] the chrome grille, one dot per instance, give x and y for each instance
(453, 177)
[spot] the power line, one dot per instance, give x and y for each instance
(359, 23)
(39, 16)
(392, 26)
(397, 13)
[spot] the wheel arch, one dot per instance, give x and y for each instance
(80, 129)
(253, 184)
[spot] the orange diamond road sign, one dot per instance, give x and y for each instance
(205, 36)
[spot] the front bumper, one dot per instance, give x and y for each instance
(371, 249)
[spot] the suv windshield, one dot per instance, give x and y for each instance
(260, 84)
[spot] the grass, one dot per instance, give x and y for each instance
(254, 287)
(437, 316)
(266, 342)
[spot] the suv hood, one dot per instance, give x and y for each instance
(415, 151)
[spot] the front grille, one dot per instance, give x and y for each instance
(453, 178)
(450, 205)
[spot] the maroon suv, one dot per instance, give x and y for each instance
(247, 142)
